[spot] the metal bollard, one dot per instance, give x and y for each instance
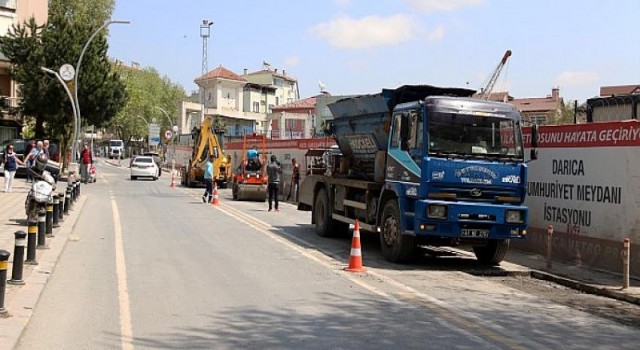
(32, 239)
(67, 201)
(49, 218)
(73, 192)
(42, 228)
(626, 250)
(79, 186)
(56, 211)
(60, 207)
(18, 258)
(549, 245)
(4, 264)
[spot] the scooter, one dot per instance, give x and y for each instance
(43, 186)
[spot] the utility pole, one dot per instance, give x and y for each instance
(205, 33)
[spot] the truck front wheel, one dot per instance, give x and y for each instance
(326, 226)
(492, 253)
(396, 247)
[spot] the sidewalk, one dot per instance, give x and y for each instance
(20, 300)
(581, 278)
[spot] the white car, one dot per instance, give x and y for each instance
(144, 166)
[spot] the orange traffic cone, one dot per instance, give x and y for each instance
(355, 260)
(215, 202)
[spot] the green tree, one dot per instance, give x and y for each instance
(101, 92)
(147, 93)
(91, 12)
(566, 113)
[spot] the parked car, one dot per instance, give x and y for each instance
(144, 166)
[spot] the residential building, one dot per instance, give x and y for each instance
(540, 110)
(286, 86)
(241, 103)
(619, 102)
(14, 12)
(293, 120)
(322, 113)
(223, 92)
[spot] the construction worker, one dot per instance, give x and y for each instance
(295, 180)
(208, 181)
(273, 171)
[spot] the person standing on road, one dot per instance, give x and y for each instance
(10, 162)
(86, 159)
(208, 181)
(273, 171)
(295, 180)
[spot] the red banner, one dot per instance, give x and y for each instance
(608, 134)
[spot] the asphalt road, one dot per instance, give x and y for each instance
(153, 267)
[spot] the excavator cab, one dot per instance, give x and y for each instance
(207, 146)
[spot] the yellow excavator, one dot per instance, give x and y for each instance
(207, 146)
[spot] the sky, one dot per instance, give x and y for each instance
(363, 46)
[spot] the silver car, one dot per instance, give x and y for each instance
(144, 166)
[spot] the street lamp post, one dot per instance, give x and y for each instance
(75, 82)
(73, 104)
(205, 33)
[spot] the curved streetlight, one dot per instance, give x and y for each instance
(166, 114)
(73, 104)
(75, 82)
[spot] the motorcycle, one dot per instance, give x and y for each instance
(41, 191)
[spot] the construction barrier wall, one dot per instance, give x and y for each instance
(586, 183)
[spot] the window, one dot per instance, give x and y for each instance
(395, 139)
(209, 97)
(256, 107)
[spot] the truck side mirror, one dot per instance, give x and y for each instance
(534, 136)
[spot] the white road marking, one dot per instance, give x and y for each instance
(406, 293)
(126, 333)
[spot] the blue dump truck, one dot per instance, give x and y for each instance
(423, 165)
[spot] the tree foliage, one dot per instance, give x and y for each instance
(148, 94)
(29, 47)
(566, 113)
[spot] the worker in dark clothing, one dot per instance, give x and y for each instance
(273, 171)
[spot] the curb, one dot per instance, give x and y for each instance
(584, 287)
(24, 299)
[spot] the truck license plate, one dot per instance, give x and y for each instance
(475, 233)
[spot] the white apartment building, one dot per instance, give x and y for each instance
(242, 103)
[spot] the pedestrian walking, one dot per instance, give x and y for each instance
(31, 158)
(295, 181)
(10, 162)
(208, 181)
(86, 159)
(273, 171)
(27, 153)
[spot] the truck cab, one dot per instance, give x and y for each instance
(424, 165)
(457, 167)
(116, 149)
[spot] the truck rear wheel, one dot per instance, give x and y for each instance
(493, 253)
(326, 226)
(396, 247)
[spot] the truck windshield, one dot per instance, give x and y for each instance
(115, 143)
(474, 136)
